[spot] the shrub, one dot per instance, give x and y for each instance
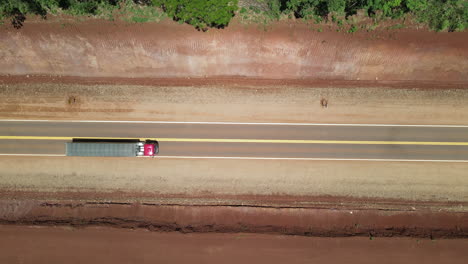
(417, 5)
(450, 15)
(42, 7)
(337, 6)
(10, 8)
(200, 13)
(17, 9)
(441, 15)
(88, 7)
(389, 8)
(277, 8)
(308, 8)
(352, 29)
(316, 8)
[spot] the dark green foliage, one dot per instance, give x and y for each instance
(450, 15)
(139, 10)
(17, 9)
(13, 7)
(337, 6)
(389, 8)
(308, 8)
(77, 7)
(352, 6)
(276, 8)
(41, 7)
(352, 29)
(441, 15)
(304, 8)
(417, 5)
(200, 13)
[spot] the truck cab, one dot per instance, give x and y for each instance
(148, 148)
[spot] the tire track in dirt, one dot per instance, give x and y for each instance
(288, 50)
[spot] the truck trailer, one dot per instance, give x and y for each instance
(112, 149)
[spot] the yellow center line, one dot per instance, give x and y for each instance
(221, 140)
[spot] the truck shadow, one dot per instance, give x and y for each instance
(130, 140)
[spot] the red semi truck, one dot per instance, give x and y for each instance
(97, 148)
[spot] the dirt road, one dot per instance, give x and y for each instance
(235, 182)
(24, 244)
(373, 104)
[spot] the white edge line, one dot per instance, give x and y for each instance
(227, 123)
(311, 159)
(255, 158)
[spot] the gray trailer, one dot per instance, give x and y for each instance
(105, 149)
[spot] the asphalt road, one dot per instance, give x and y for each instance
(249, 140)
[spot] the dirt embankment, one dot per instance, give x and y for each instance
(236, 219)
(284, 51)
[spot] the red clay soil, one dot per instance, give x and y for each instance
(235, 219)
(261, 201)
(286, 50)
(50, 245)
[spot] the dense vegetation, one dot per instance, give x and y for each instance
(451, 15)
(441, 15)
(200, 13)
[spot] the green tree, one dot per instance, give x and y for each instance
(390, 8)
(202, 14)
(316, 8)
(441, 15)
(17, 9)
(417, 5)
(14, 7)
(308, 8)
(337, 6)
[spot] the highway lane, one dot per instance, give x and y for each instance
(235, 131)
(48, 147)
(264, 150)
(348, 141)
